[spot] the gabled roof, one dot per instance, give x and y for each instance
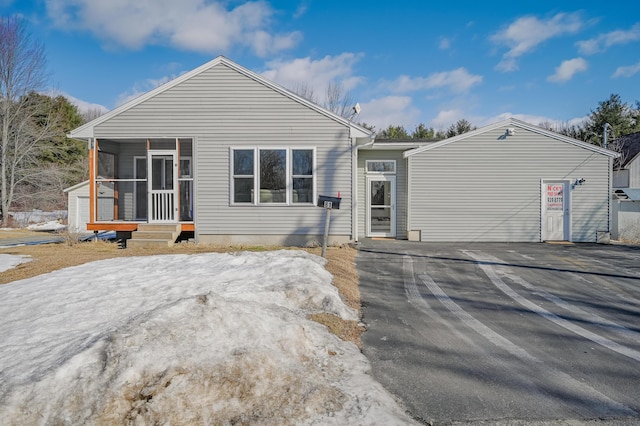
(512, 122)
(76, 186)
(629, 148)
(86, 131)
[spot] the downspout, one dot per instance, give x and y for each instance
(610, 177)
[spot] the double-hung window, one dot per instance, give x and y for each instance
(269, 176)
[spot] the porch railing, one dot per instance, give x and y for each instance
(162, 206)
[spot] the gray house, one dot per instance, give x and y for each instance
(509, 181)
(626, 168)
(225, 155)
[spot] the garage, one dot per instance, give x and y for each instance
(508, 182)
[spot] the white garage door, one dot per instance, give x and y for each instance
(82, 213)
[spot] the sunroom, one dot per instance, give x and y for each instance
(134, 181)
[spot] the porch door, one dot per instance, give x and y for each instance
(381, 206)
(162, 186)
(556, 210)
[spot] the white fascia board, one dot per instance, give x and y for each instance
(515, 123)
(389, 146)
(76, 186)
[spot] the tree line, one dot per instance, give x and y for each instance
(37, 160)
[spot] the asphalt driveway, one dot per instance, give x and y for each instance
(504, 332)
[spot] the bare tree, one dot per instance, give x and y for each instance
(306, 91)
(336, 99)
(22, 126)
(91, 114)
(339, 101)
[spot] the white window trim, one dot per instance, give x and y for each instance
(288, 172)
(373, 172)
(233, 176)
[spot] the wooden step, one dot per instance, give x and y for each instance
(151, 235)
(150, 243)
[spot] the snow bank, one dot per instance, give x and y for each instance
(8, 261)
(211, 338)
(23, 219)
(52, 225)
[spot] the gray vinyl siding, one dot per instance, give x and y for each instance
(401, 189)
(634, 173)
(487, 188)
(223, 109)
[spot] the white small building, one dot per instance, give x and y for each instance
(78, 206)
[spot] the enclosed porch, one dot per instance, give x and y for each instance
(141, 181)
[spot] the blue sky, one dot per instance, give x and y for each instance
(405, 62)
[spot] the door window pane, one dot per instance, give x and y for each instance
(381, 219)
(380, 193)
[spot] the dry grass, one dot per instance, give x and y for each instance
(51, 257)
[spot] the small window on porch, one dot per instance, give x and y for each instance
(381, 166)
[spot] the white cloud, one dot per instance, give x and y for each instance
(446, 118)
(458, 80)
(568, 69)
(527, 32)
(196, 25)
(142, 87)
(390, 110)
(627, 71)
(316, 74)
(604, 41)
(536, 120)
(83, 106)
(444, 43)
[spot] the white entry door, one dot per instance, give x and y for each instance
(162, 185)
(556, 217)
(381, 206)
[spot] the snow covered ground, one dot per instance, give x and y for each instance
(8, 261)
(181, 339)
(23, 219)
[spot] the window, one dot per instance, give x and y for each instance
(381, 166)
(243, 176)
(277, 176)
(273, 176)
(302, 175)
